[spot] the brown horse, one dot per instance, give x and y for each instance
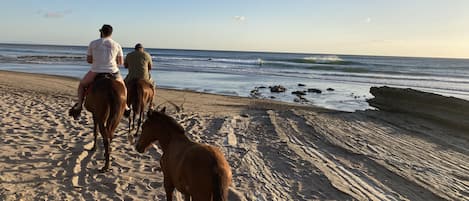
(106, 101)
(198, 171)
(139, 97)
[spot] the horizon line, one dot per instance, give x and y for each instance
(254, 51)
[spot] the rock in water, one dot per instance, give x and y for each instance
(277, 89)
(299, 93)
(312, 90)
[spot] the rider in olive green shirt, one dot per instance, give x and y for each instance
(139, 64)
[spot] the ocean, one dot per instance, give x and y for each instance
(348, 77)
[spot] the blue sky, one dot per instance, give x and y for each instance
(433, 28)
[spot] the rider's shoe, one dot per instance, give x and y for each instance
(75, 111)
(127, 112)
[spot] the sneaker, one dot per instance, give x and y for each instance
(75, 111)
(127, 112)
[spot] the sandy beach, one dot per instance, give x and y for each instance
(277, 151)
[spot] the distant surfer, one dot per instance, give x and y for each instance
(260, 62)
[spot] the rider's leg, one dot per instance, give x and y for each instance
(86, 81)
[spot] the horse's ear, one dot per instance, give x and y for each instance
(163, 110)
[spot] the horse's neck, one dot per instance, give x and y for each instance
(176, 138)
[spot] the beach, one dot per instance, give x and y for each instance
(276, 150)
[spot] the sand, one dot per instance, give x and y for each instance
(277, 151)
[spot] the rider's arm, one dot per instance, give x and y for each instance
(150, 63)
(120, 60)
(89, 55)
(120, 57)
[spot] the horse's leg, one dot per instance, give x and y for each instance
(95, 133)
(106, 155)
(130, 137)
(139, 123)
(106, 141)
(169, 188)
(134, 114)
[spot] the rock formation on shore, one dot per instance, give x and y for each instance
(451, 111)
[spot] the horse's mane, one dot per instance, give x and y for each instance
(166, 119)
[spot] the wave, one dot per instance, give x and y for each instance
(44, 59)
(331, 59)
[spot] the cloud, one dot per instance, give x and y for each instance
(368, 20)
(239, 18)
(54, 14)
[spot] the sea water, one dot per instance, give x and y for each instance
(239, 73)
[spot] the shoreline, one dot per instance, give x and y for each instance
(276, 150)
(180, 91)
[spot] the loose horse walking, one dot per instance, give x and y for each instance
(106, 102)
(140, 96)
(198, 171)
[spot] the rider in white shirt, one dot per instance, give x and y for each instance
(105, 55)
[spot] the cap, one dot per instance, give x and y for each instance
(138, 46)
(106, 28)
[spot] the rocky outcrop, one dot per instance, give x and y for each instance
(451, 111)
(312, 90)
(277, 89)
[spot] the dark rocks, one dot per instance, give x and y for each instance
(299, 93)
(262, 87)
(330, 89)
(301, 85)
(312, 90)
(449, 111)
(255, 93)
(277, 89)
(300, 99)
(272, 97)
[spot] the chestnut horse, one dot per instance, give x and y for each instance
(106, 101)
(198, 171)
(139, 97)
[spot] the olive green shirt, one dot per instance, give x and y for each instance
(137, 62)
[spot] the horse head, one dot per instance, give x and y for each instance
(157, 127)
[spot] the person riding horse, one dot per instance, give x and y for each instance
(139, 64)
(139, 84)
(107, 94)
(104, 54)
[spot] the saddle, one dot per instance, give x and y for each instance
(112, 76)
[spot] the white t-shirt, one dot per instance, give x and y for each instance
(104, 52)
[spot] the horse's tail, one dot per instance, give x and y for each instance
(115, 104)
(221, 180)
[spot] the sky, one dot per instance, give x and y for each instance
(424, 28)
